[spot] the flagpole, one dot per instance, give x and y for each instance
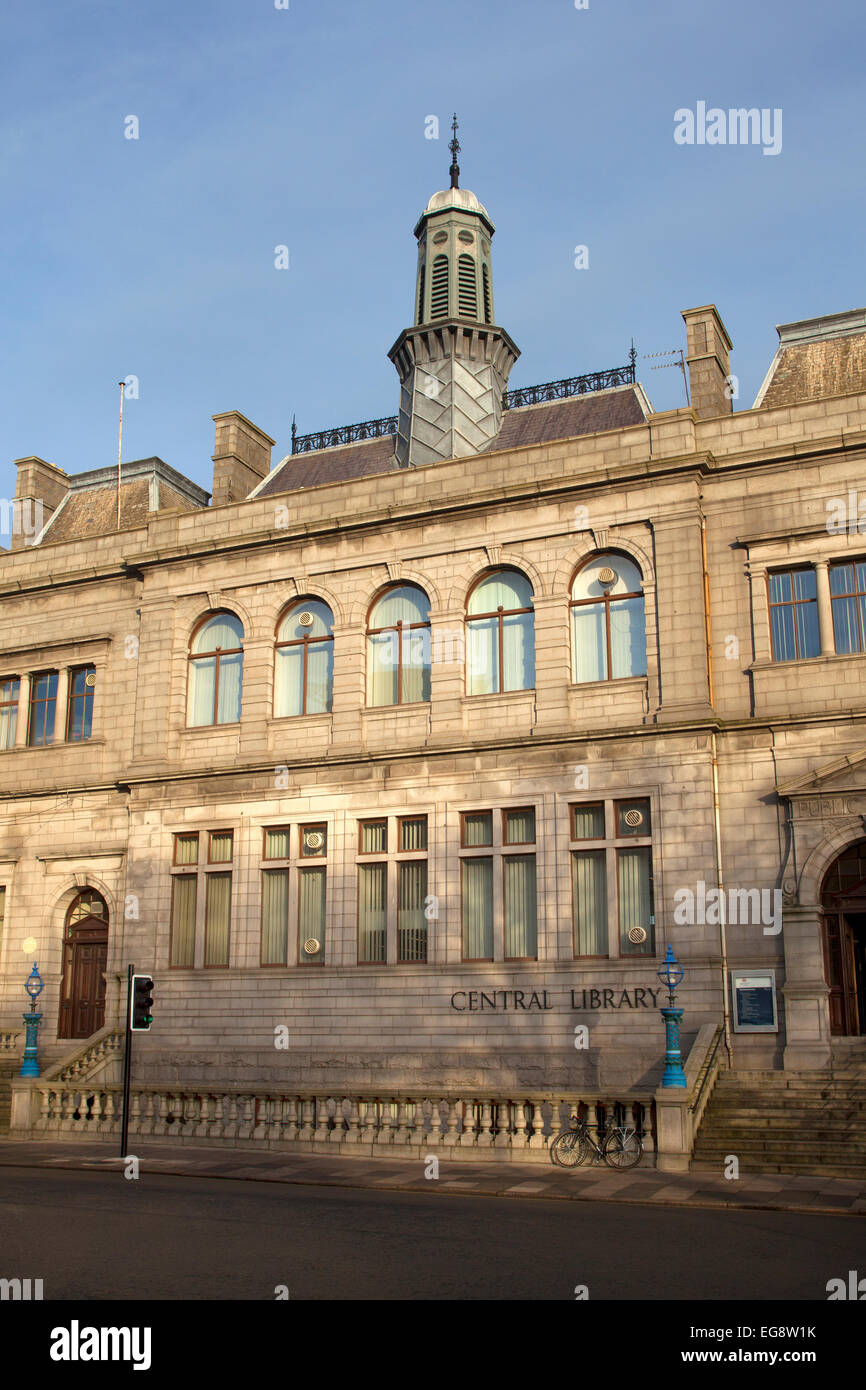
(119, 441)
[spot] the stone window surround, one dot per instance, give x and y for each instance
(26, 662)
(391, 856)
(610, 843)
(200, 870)
(788, 553)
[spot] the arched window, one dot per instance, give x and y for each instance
(608, 629)
(398, 647)
(467, 294)
(439, 288)
(304, 673)
(216, 664)
(500, 634)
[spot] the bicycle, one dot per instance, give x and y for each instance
(621, 1146)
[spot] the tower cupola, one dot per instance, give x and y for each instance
(454, 362)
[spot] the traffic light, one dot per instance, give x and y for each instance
(141, 1004)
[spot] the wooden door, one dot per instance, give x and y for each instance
(82, 999)
(841, 974)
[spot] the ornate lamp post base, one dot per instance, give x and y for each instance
(673, 1074)
(29, 1063)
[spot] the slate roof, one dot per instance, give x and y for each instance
(817, 358)
(90, 506)
(531, 424)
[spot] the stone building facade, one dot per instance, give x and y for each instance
(407, 759)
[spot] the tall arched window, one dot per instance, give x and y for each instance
(500, 634)
(398, 647)
(467, 294)
(216, 664)
(608, 629)
(304, 673)
(439, 288)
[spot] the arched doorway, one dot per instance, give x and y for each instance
(85, 952)
(843, 899)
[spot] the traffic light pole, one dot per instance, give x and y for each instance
(127, 1064)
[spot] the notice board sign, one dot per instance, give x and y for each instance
(754, 1001)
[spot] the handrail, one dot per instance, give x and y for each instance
(708, 1066)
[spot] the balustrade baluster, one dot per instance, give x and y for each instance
(386, 1133)
(322, 1131)
(503, 1125)
(484, 1138)
(307, 1119)
(537, 1139)
(451, 1135)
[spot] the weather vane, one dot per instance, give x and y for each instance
(454, 147)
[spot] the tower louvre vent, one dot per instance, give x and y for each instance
(466, 288)
(419, 318)
(439, 288)
(485, 286)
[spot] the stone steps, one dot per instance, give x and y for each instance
(811, 1123)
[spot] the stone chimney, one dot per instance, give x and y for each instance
(241, 457)
(40, 489)
(709, 361)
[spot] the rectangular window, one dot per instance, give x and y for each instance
(413, 833)
(587, 822)
(186, 849)
(314, 841)
(79, 713)
(183, 902)
(476, 882)
(589, 899)
(635, 887)
(411, 900)
(372, 911)
(519, 827)
(43, 706)
(476, 828)
(848, 597)
(218, 903)
(621, 866)
(9, 692)
(2, 909)
(793, 599)
(277, 841)
(220, 847)
(521, 931)
(311, 918)
(275, 916)
(374, 837)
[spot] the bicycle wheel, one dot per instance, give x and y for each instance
(568, 1149)
(623, 1149)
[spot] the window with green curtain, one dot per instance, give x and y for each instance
(634, 881)
(587, 823)
(372, 911)
(183, 900)
(413, 834)
(392, 648)
(411, 923)
(218, 903)
(476, 876)
(2, 908)
(374, 837)
(589, 900)
(277, 843)
(221, 847)
(521, 925)
(275, 916)
(186, 849)
(520, 827)
(500, 640)
(311, 910)
(477, 828)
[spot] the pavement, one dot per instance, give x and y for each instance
(645, 1186)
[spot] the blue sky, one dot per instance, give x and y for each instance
(305, 127)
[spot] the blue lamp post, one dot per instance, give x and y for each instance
(34, 987)
(671, 974)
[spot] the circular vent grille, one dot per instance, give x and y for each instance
(314, 839)
(305, 619)
(607, 576)
(440, 237)
(90, 678)
(312, 946)
(466, 236)
(637, 936)
(633, 818)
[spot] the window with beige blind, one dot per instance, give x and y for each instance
(392, 890)
(294, 894)
(498, 894)
(201, 899)
(612, 878)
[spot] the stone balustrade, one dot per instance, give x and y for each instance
(482, 1127)
(11, 1042)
